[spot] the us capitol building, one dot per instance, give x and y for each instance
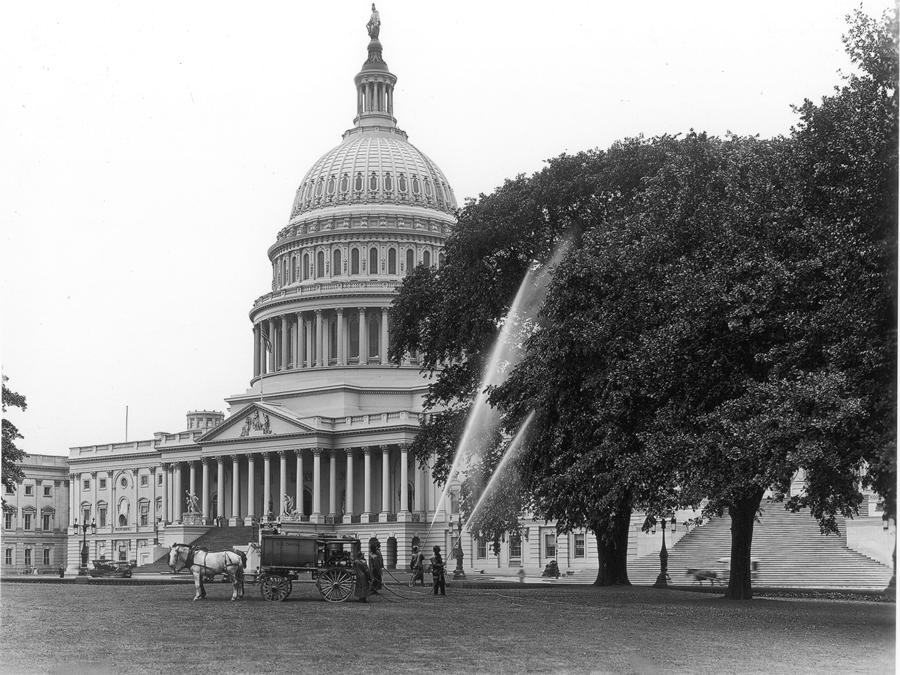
(320, 439)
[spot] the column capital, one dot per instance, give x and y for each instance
(134, 472)
(190, 463)
(317, 452)
(265, 455)
(280, 454)
(250, 457)
(339, 310)
(153, 468)
(204, 461)
(350, 452)
(384, 448)
(298, 451)
(367, 450)
(234, 458)
(318, 312)
(93, 474)
(220, 459)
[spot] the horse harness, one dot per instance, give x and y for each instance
(189, 559)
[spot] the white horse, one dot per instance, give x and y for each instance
(202, 564)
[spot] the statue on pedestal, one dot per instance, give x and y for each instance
(374, 25)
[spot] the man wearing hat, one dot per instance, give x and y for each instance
(437, 571)
(417, 565)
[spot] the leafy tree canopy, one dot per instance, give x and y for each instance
(12, 472)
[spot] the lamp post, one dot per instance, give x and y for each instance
(458, 573)
(663, 553)
(82, 571)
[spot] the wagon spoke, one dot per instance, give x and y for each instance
(336, 585)
(275, 588)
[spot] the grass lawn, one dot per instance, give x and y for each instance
(119, 629)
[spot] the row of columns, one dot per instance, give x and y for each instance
(175, 471)
(302, 340)
(375, 97)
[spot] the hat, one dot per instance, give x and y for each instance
(436, 549)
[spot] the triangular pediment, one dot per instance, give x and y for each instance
(257, 421)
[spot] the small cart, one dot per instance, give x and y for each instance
(334, 561)
(723, 574)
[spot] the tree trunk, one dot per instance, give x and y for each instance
(612, 548)
(742, 513)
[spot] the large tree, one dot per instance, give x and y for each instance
(12, 455)
(451, 317)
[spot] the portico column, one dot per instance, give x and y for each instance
(340, 336)
(298, 503)
(165, 493)
(251, 490)
(192, 482)
(317, 485)
(205, 482)
(285, 342)
(384, 336)
(367, 483)
(363, 347)
(419, 497)
(176, 495)
(404, 478)
(385, 483)
(332, 484)
(282, 479)
(348, 514)
(267, 483)
(235, 491)
(74, 489)
(220, 487)
(320, 339)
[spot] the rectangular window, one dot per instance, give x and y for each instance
(481, 548)
(579, 545)
(46, 557)
(102, 512)
(86, 484)
(550, 545)
(47, 491)
(27, 557)
(145, 480)
(87, 515)
(8, 557)
(45, 524)
(145, 510)
(9, 489)
(29, 490)
(159, 479)
(7, 521)
(102, 485)
(515, 547)
(27, 521)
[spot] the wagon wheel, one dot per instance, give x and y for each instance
(274, 587)
(336, 584)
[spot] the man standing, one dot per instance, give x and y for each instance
(437, 571)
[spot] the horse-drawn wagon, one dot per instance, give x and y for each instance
(335, 562)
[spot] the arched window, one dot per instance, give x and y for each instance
(354, 261)
(374, 334)
(373, 260)
(319, 186)
(305, 270)
(415, 184)
(427, 187)
(331, 183)
(410, 260)
(336, 262)
(293, 269)
(426, 258)
(354, 338)
(392, 261)
(320, 264)
(402, 181)
(358, 182)
(388, 182)
(345, 183)
(373, 183)
(441, 259)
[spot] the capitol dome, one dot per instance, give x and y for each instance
(374, 167)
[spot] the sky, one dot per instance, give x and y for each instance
(149, 154)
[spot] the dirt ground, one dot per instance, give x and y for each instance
(68, 629)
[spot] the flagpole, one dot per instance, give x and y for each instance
(126, 423)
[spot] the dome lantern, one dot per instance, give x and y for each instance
(375, 88)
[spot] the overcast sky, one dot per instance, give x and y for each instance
(150, 154)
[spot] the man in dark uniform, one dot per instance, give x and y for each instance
(437, 571)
